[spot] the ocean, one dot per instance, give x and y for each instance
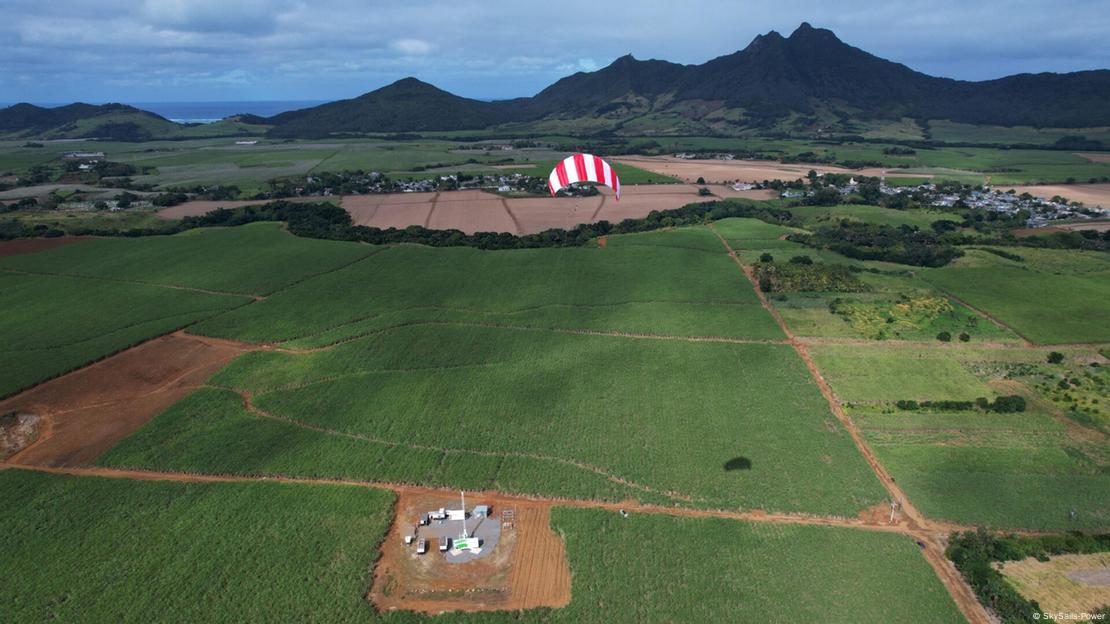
(208, 112)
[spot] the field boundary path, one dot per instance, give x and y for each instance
(512, 215)
(928, 534)
(987, 315)
(121, 280)
(917, 525)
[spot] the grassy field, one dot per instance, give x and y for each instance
(1076, 283)
(999, 470)
(816, 216)
(1048, 583)
(859, 374)
(894, 304)
(953, 132)
(93, 550)
(201, 160)
(742, 572)
(103, 550)
(54, 324)
(1018, 470)
(665, 416)
(697, 237)
(258, 258)
(626, 288)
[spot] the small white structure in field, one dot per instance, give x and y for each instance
(444, 544)
(481, 511)
(456, 514)
(422, 546)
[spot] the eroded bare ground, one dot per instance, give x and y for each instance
(21, 246)
(84, 413)
(527, 569)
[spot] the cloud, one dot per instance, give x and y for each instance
(580, 65)
(411, 47)
(296, 49)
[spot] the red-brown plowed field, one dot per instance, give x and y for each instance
(87, 411)
(21, 246)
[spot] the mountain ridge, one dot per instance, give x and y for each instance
(810, 79)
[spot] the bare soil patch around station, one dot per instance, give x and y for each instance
(84, 413)
(527, 569)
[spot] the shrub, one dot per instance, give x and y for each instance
(965, 337)
(766, 257)
(801, 260)
(944, 336)
(1055, 357)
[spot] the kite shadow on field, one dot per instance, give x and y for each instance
(738, 463)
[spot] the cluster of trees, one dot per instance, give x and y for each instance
(325, 220)
(867, 241)
(975, 552)
(1003, 405)
(801, 274)
(898, 150)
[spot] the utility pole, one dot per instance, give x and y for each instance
(463, 494)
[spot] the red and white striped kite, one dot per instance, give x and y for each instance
(583, 168)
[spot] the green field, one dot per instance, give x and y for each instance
(998, 470)
(476, 407)
(627, 288)
(197, 159)
(257, 259)
(102, 550)
(863, 374)
(816, 216)
(93, 550)
(660, 569)
(696, 237)
(54, 324)
(1076, 283)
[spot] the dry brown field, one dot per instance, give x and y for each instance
(1089, 194)
(1065, 583)
(723, 171)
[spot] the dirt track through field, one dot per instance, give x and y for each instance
(916, 523)
(89, 410)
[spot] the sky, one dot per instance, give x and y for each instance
(198, 50)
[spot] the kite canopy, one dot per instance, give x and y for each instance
(583, 168)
